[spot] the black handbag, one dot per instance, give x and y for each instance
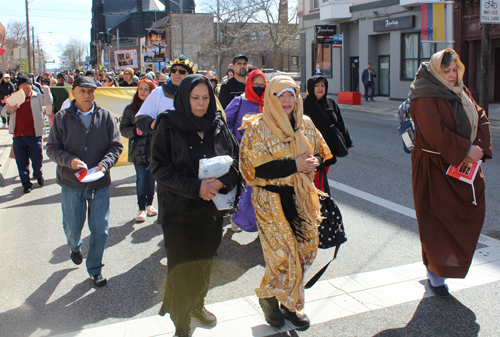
(331, 230)
(340, 149)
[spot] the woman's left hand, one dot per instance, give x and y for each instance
(311, 163)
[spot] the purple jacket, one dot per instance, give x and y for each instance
(239, 107)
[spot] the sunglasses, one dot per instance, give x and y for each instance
(213, 80)
(181, 71)
(105, 81)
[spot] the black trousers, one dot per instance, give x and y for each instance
(191, 243)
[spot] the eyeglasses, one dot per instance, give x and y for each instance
(181, 71)
(213, 80)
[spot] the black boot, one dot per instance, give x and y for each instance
(183, 332)
(206, 317)
(297, 320)
(272, 311)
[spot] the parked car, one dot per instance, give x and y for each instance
(270, 74)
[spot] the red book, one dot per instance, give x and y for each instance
(464, 172)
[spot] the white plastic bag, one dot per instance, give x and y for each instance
(214, 168)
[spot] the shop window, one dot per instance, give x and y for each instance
(323, 59)
(414, 52)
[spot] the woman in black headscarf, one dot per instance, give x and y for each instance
(325, 114)
(192, 225)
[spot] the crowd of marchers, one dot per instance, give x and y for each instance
(276, 143)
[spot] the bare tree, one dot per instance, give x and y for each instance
(280, 25)
(235, 28)
(15, 33)
(74, 52)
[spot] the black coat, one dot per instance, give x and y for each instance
(178, 183)
(325, 113)
(138, 145)
(6, 89)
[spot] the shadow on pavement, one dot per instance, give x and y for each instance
(234, 259)
(125, 296)
(116, 235)
(438, 317)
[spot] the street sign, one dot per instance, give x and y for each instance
(489, 11)
(105, 63)
(337, 41)
(86, 64)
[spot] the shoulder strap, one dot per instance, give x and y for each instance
(320, 273)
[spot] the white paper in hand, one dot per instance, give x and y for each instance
(88, 175)
(214, 167)
(16, 98)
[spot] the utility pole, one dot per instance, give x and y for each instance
(33, 48)
(218, 38)
(28, 37)
(181, 8)
(485, 67)
(40, 70)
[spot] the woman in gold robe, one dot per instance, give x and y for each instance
(277, 158)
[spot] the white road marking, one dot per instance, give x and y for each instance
(327, 300)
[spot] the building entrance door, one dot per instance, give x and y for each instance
(384, 75)
(354, 73)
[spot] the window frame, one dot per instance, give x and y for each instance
(419, 57)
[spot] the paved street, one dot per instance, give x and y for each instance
(375, 287)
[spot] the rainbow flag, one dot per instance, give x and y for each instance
(432, 21)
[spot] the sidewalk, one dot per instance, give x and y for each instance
(5, 147)
(384, 107)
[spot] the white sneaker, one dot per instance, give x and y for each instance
(235, 227)
(4, 126)
(141, 216)
(151, 210)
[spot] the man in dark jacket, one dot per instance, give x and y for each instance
(128, 78)
(85, 135)
(6, 89)
(367, 77)
(234, 86)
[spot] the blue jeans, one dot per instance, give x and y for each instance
(368, 85)
(145, 185)
(74, 209)
(26, 148)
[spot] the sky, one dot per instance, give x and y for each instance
(62, 18)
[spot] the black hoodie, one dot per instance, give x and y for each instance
(324, 113)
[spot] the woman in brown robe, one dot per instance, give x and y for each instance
(451, 128)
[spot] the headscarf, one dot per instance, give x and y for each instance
(170, 87)
(430, 81)
(182, 117)
(250, 93)
(277, 120)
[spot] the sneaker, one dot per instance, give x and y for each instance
(235, 227)
(272, 312)
(141, 216)
(441, 291)
(76, 257)
(99, 280)
(206, 317)
(366, 99)
(27, 189)
(300, 321)
(41, 181)
(372, 100)
(4, 126)
(151, 210)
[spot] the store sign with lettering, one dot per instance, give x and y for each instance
(402, 22)
(324, 33)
